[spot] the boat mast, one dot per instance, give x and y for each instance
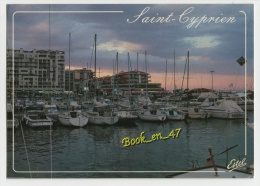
(188, 71)
(95, 61)
(117, 73)
(174, 74)
(138, 74)
(145, 55)
(165, 76)
(113, 80)
(69, 62)
(128, 59)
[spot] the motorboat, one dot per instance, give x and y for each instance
(225, 109)
(73, 118)
(202, 97)
(36, 118)
(239, 99)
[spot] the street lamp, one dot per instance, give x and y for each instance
(212, 79)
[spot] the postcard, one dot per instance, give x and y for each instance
(130, 91)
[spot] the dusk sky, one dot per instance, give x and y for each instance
(212, 46)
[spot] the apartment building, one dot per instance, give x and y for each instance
(78, 80)
(36, 70)
(134, 81)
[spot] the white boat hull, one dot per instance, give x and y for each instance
(78, 121)
(225, 109)
(40, 123)
(195, 113)
(222, 114)
(111, 120)
(36, 121)
(227, 115)
(96, 119)
(161, 117)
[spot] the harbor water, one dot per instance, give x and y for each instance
(98, 152)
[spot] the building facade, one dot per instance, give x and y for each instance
(134, 81)
(36, 70)
(29, 72)
(82, 80)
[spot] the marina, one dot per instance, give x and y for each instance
(112, 91)
(100, 150)
(94, 133)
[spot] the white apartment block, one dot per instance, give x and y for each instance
(36, 70)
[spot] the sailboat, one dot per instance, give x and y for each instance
(101, 115)
(149, 115)
(125, 115)
(72, 117)
(193, 112)
(152, 115)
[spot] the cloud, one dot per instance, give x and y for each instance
(195, 58)
(40, 27)
(211, 46)
(202, 41)
(120, 46)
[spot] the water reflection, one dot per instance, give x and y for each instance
(100, 148)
